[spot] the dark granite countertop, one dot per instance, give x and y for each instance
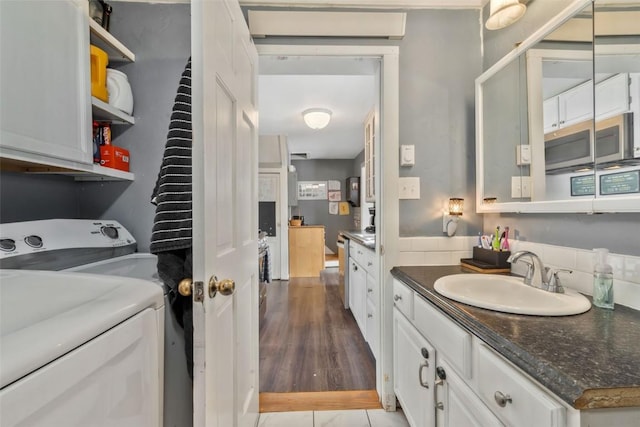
(368, 240)
(589, 360)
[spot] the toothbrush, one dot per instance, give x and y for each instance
(496, 240)
(505, 242)
(479, 239)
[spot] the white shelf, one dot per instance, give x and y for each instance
(105, 112)
(13, 161)
(105, 41)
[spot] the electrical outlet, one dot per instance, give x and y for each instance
(409, 188)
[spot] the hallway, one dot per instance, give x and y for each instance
(309, 342)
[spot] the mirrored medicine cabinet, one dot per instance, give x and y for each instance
(558, 118)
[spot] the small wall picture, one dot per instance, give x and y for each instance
(344, 208)
(335, 196)
(312, 190)
(333, 208)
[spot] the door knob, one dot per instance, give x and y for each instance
(224, 286)
(185, 287)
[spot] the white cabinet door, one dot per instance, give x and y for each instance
(576, 105)
(612, 96)
(550, 114)
(413, 372)
(372, 327)
(357, 294)
(457, 404)
(44, 74)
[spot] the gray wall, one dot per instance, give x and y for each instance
(34, 197)
(439, 61)
(316, 212)
(618, 232)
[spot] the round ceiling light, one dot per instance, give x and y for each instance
(317, 118)
(503, 13)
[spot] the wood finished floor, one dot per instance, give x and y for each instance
(309, 342)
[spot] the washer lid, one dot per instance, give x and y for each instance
(45, 314)
(138, 265)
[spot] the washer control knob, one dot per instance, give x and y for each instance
(7, 245)
(33, 241)
(109, 231)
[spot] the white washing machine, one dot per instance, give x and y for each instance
(104, 248)
(79, 350)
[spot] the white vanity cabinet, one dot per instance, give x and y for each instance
(45, 80)
(364, 293)
(468, 384)
(413, 372)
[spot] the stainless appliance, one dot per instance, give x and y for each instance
(571, 148)
(343, 282)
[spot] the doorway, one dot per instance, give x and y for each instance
(387, 104)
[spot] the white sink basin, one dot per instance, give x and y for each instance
(510, 295)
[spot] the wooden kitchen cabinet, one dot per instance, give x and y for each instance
(306, 251)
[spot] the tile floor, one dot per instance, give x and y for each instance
(350, 418)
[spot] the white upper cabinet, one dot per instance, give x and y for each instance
(45, 80)
(46, 107)
(612, 96)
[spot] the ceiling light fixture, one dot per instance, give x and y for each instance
(503, 13)
(316, 118)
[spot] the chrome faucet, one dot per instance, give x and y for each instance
(549, 280)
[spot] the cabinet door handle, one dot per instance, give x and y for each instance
(442, 376)
(423, 383)
(369, 264)
(369, 315)
(369, 290)
(502, 399)
(397, 297)
(355, 267)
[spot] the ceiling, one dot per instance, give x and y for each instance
(290, 85)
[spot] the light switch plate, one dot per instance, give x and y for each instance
(407, 155)
(409, 188)
(520, 187)
(523, 155)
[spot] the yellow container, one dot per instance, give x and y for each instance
(99, 62)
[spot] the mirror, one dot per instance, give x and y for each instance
(539, 149)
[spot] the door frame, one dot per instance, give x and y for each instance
(386, 190)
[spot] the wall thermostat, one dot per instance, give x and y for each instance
(407, 155)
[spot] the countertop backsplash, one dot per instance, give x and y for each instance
(449, 250)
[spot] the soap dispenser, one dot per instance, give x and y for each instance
(602, 280)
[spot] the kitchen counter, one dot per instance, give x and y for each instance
(368, 240)
(589, 360)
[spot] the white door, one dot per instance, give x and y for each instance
(269, 191)
(225, 215)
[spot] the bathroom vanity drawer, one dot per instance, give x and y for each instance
(444, 335)
(403, 298)
(512, 396)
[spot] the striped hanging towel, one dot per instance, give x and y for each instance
(172, 225)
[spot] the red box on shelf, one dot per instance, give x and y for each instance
(114, 157)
